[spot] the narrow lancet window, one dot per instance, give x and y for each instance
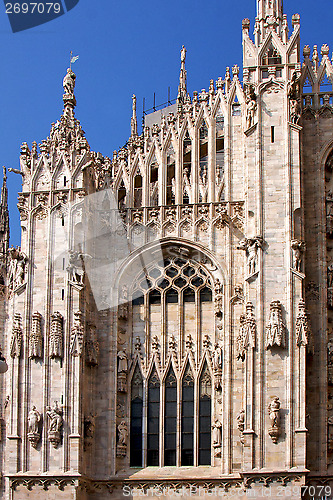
(187, 436)
(170, 428)
(136, 419)
(153, 424)
(205, 417)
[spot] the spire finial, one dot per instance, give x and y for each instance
(69, 97)
(134, 122)
(182, 89)
(270, 16)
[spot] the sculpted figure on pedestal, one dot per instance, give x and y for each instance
(34, 419)
(56, 423)
(275, 330)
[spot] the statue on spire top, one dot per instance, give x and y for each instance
(69, 82)
(183, 54)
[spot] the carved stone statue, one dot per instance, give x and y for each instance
(240, 418)
(298, 248)
(122, 371)
(56, 336)
(217, 365)
(77, 335)
(218, 298)
(276, 329)
(75, 268)
(17, 336)
(35, 337)
(69, 82)
(217, 436)
(183, 54)
(294, 111)
(247, 333)
(34, 419)
(122, 439)
(251, 246)
(303, 329)
(17, 268)
(273, 411)
(56, 423)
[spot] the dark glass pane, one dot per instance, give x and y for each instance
(137, 301)
(171, 296)
(188, 409)
(187, 424)
(153, 424)
(170, 457)
(136, 433)
(204, 457)
(153, 441)
(172, 272)
(171, 409)
(205, 295)
(170, 441)
(152, 458)
(189, 295)
(170, 425)
(187, 457)
(187, 441)
(154, 297)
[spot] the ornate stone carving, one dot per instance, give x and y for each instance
(240, 418)
(303, 329)
(122, 371)
(206, 342)
(276, 329)
(251, 245)
(69, 82)
(75, 267)
(123, 303)
(35, 337)
(218, 298)
(274, 417)
(298, 248)
(56, 423)
(251, 105)
(217, 365)
(122, 439)
(17, 336)
(247, 332)
(17, 268)
(92, 346)
(217, 437)
(56, 336)
(34, 419)
(77, 335)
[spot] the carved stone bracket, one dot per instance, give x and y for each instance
(276, 329)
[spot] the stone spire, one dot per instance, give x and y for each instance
(269, 16)
(4, 221)
(134, 121)
(69, 97)
(182, 89)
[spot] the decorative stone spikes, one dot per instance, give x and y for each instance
(134, 122)
(77, 335)
(56, 336)
(35, 347)
(17, 336)
(303, 329)
(247, 333)
(276, 329)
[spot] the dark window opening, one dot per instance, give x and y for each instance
(137, 191)
(122, 196)
(136, 419)
(205, 417)
(187, 437)
(272, 57)
(153, 420)
(272, 134)
(170, 423)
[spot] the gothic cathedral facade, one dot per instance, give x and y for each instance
(168, 319)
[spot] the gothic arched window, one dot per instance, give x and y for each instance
(187, 435)
(205, 396)
(153, 420)
(170, 419)
(136, 418)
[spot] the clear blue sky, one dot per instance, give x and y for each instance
(125, 47)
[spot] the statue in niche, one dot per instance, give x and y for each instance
(294, 111)
(122, 439)
(218, 299)
(217, 436)
(17, 268)
(34, 419)
(75, 267)
(276, 329)
(251, 245)
(274, 414)
(123, 303)
(56, 423)
(240, 418)
(122, 371)
(217, 365)
(298, 248)
(251, 105)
